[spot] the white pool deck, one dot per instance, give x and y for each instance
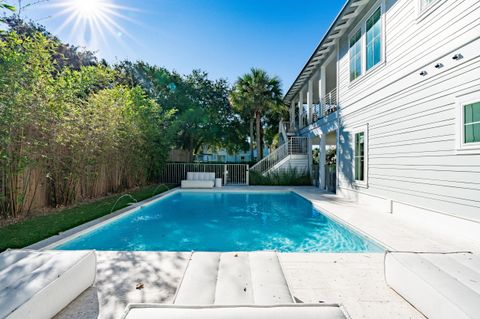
(355, 280)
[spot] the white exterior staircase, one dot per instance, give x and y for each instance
(291, 155)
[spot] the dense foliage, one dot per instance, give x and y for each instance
(76, 133)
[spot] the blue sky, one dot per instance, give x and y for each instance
(223, 37)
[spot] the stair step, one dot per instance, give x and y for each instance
(200, 280)
(269, 284)
(234, 285)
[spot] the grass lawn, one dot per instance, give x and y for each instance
(37, 228)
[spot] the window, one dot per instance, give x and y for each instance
(374, 39)
(356, 55)
(360, 156)
(366, 43)
(424, 4)
(471, 123)
(468, 123)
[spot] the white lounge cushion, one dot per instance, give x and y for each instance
(200, 176)
(290, 311)
(197, 184)
(199, 281)
(439, 285)
(38, 284)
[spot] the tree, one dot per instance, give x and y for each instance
(6, 7)
(65, 55)
(203, 114)
(257, 95)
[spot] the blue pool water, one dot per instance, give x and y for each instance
(199, 221)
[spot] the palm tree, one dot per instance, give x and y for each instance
(254, 95)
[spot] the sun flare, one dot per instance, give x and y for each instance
(93, 23)
(89, 9)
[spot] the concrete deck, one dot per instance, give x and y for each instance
(118, 276)
(355, 280)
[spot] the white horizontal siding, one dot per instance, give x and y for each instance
(412, 119)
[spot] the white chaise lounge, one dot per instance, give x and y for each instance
(288, 311)
(234, 285)
(199, 180)
(38, 284)
(440, 285)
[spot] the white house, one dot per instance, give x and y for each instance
(394, 85)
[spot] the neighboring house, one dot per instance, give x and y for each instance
(395, 87)
(222, 156)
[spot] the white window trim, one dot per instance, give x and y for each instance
(461, 146)
(360, 129)
(362, 26)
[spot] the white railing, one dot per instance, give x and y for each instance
(329, 102)
(231, 174)
(294, 146)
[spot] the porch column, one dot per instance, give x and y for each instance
(322, 86)
(310, 157)
(322, 161)
(292, 115)
(300, 109)
(310, 101)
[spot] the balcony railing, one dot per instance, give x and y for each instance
(328, 104)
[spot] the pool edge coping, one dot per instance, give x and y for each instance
(72, 233)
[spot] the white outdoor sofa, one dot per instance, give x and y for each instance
(199, 180)
(234, 286)
(440, 285)
(38, 284)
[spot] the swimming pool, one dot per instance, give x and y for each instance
(224, 221)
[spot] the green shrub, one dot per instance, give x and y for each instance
(290, 177)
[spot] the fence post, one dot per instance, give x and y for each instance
(225, 173)
(248, 175)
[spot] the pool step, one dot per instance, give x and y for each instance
(233, 278)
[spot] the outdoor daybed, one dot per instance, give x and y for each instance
(235, 286)
(440, 285)
(38, 284)
(199, 180)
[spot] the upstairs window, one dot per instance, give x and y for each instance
(471, 123)
(366, 43)
(424, 4)
(374, 39)
(356, 55)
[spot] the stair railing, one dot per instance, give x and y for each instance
(295, 146)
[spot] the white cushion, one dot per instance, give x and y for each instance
(197, 184)
(290, 311)
(439, 285)
(200, 176)
(38, 284)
